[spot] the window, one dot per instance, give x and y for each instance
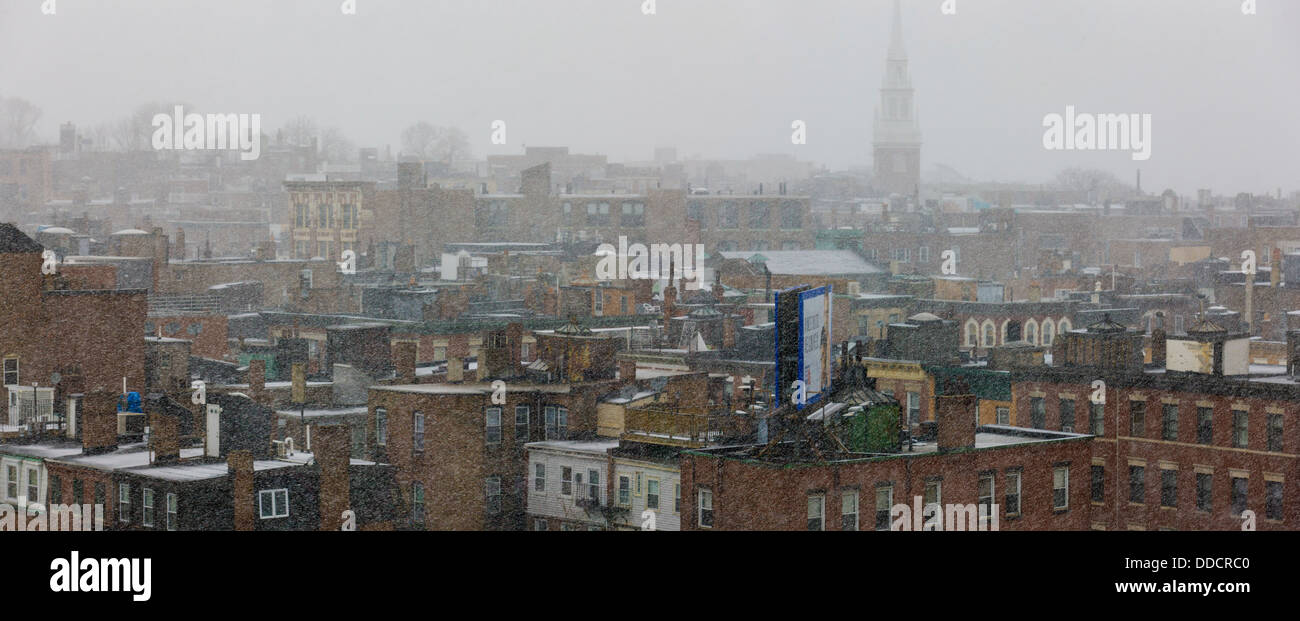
(171, 511)
(706, 508)
(849, 510)
(1099, 484)
(1061, 488)
(100, 493)
(1004, 415)
(492, 489)
(1169, 422)
(1168, 487)
(1137, 486)
(1240, 429)
(695, 211)
(914, 408)
(597, 214)
(933, 497)
(1037, 413)
(1204, 425)
(624, 491)
(566, 481)
(633, 215)
(123, 503)
(381, 426)
(540, 524)
(1097, 419)
(593, 484)
(816, 512)
(923, 254)
(78, 492)
(884, 503)
(521, 423)
(33, 485)
(1204, 491)
(56, 489)
(758, 216)
(729, 217)
(272, 503)
(557, 422)
(492, 433)
(986, 494)
(1067, 415)
(989, 339)
(418, 417)
(1275, 432)
(147, 505)
(902, 254)
(1239, 487)
(11, 371)
(1137, 418)
(652, 494)
(677, 498)
(791, 216)
(1013, 494)
(1273, 500)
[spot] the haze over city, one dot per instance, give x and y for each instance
(718, 79)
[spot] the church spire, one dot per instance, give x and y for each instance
(896, 51)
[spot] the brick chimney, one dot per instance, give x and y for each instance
(626, 370)
(332, 444)
(1275, 274)
(728, 332)
(241, 474)
(1158, 342)
(164, 435)
(404, 362)
(99, 422)
(955, 414)
(257, 381)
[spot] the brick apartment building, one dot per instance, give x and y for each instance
(1035, 478)
(90, 341)
(1186, 443)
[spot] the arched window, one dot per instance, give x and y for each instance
(1049, 330)
(1064, 326)
(972, 332)
(990, 336)
(1031, 332)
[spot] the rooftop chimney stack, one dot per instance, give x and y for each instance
(240, 464)
(332, 443)
(404, 354)
(955, 413)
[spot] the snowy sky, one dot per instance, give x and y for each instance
(717, 78)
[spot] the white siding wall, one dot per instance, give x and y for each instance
(550, 503)
(666, 518)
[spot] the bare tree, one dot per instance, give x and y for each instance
(300, 131)
(432, 142)
(1100, 183)
(335, 147)
(18, 119)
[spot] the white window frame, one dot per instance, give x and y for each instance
(658, 493)
(1064, 471)
(819, 501)
(1018, 477)
(381, 426)
(624, 490)
(272, 494)
(845, 497)
(539, 477)
(417, 432)
(889, 504)
(124, 503)
(566, 481)
(172, 510)
(704, 502)
(146, 506)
